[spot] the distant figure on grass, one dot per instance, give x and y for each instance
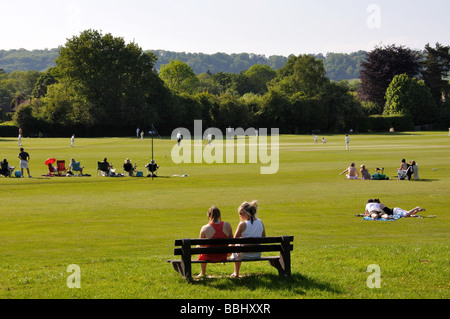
(72, 140)
(152, 167)
(179, 137)
(315, 138)
(365, 172)
(74, 163)
(403, 165)
(128, 167)
(347, 141)
(24, 159)
(209, 138)
(20, 137)
(51, 170)
(405, 170)
(324, 141)
(108, 166)
(250, 226)
(6, 169)
(376, 210)
(216, 228)
(352, 172)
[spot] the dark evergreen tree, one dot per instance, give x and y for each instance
(381, 66)
(436, 72)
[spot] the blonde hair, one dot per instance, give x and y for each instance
(214, 214)
(249, 209)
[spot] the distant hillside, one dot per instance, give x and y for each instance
(339, 66)
(219, 62)
(24, 60)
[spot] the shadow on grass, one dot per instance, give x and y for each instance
(298, 284)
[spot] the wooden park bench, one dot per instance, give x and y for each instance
(281, 244)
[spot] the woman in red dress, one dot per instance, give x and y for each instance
(216, 228)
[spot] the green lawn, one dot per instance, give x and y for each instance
(120, 231)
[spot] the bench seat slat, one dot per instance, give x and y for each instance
(232, 249)
(269, 258)
(221, 241)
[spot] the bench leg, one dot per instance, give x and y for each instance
(277, 264)
(177, 266)
(186, 259)
(285, 256)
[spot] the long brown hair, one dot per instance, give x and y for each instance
(214, 214)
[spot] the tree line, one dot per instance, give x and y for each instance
(101, 85)
(338, 66)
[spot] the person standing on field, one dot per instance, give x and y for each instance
(24, 159)
(347, 141)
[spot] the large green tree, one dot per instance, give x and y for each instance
(179, 77)
(257, 78)
(406, 95)
(116, 78)
(303, 73)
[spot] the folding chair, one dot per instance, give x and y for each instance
(60, 167)
(102, 168)
(76, 167)
(5, 170)
(402, 174)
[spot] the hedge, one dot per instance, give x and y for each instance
(383, 123)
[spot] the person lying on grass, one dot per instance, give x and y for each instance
(397, 212)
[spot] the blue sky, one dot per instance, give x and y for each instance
(280, 27)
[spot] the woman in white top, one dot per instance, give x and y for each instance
(250, 226)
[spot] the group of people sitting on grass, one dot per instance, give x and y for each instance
(107, 168)
(249, 226)
(405, 171)
(74, 166)
(375, 209)
(352, 173)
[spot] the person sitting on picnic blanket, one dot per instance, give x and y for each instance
(51, 169)
(365, 172)
(216, 228)
(352, 172)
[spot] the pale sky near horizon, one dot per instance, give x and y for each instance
(269, 27)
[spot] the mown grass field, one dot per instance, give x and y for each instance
(120, 231)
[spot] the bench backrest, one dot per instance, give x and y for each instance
(252, 244)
